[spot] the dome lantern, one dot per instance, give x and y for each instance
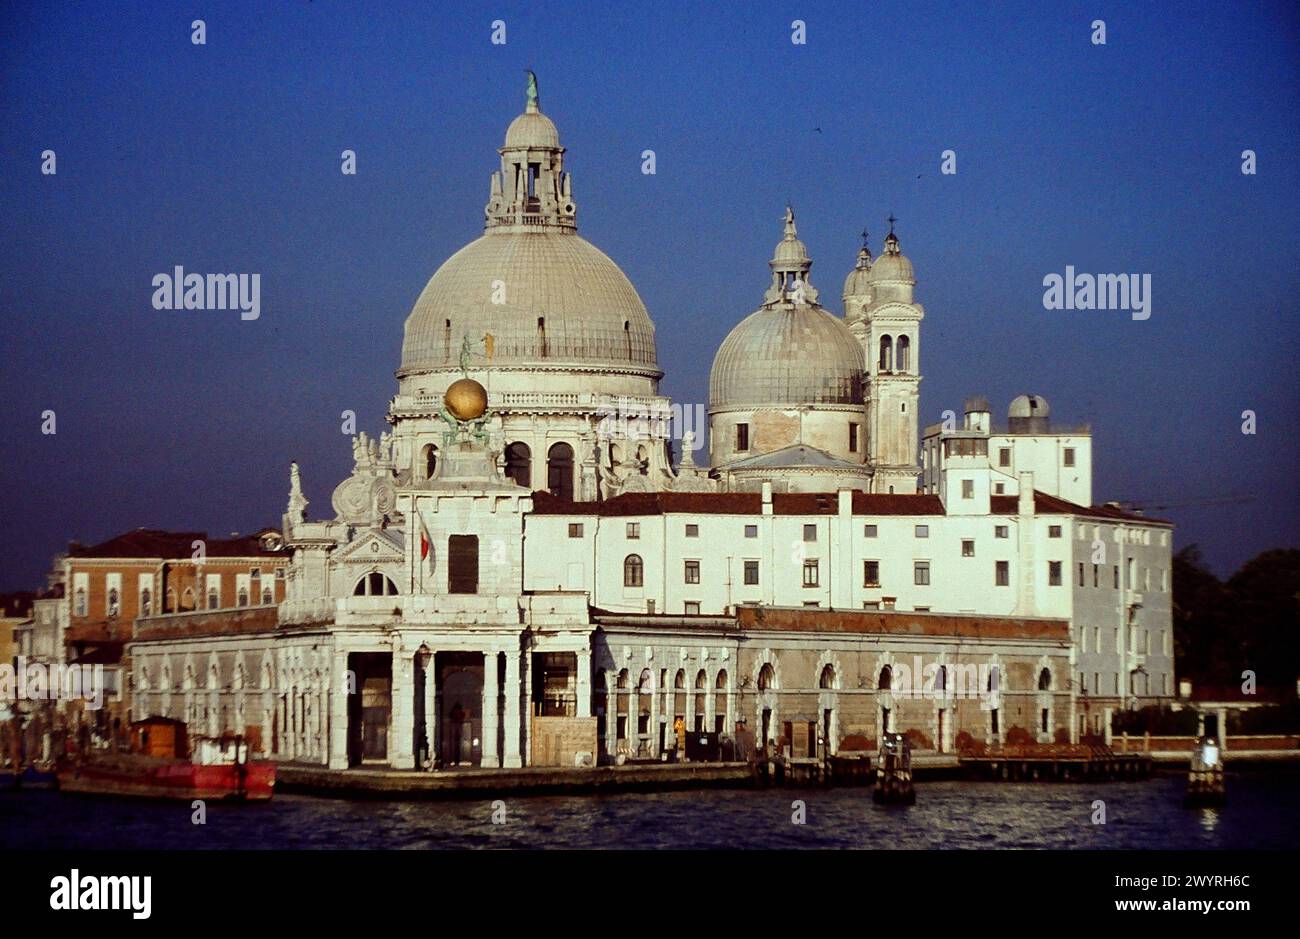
(790, 265)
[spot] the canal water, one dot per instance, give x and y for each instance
(1263, 812)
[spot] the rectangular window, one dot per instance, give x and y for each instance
(692, 608)
(634, 529)
(853, 438)
(1096, 644)
(1114, 571)
(575, 529)
(870, 604)
(255, 573)
(692, 531)
(1081, 575)
(968, 489)
(1053, 531)
(968, 547)
(462, 564)
(922, 531)
(692, 572)
(1083, 685)
(1069, 456)
(1004, 456)
(751, 573)
(751, 531)
(1002, 573)
(869, 531)
(920, 609)
(1053, 573)
(921, 573)
(810, 533)
(999, 488)
(999, 531)
(1096, 569)
(810, 578)
(742, 437)
(871, 573)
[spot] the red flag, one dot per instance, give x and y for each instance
(424, 539)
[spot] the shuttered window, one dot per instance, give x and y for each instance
(462, 564)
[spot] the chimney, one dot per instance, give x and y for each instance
(846, 502)
(1025, 507)
(767, 497)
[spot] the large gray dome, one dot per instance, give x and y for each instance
(589, 312)
(787, 355)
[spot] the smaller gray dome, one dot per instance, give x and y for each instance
(858, 283)
(787, 355)
(532, 130)
(1029, 406)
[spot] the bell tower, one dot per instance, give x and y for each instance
(890, 327)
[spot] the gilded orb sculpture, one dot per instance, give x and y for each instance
(466, 399)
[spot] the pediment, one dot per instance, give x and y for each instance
(375, 545)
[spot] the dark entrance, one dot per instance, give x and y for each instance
(460, 708)
(370, 707)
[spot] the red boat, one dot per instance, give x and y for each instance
(160, 766)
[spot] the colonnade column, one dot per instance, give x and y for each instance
(401, 751)
(584, 683)
(431, 706)
(338, 697)
(510, 758)
(490, 693)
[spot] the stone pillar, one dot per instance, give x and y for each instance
(510, 756)
(402, 720)
(490, 692)
(527, 668)
(431, 705)
(584, 682)
(338, 704)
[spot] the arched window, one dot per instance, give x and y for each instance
(213, 599)
(828, 677)
(112, 602)
(721, 683)
(430, 460)
(766, 677)
(146, 602)
(519, 464)
(243, 596)
(941, 679)
(903, 357)
(79, 602)
(375, 584)
(267, 597)
(1045, 680)
(187, 599)
(171, 601)
(701, 680)
(886, 678)
(633, 571)
(622, 679)
(995, 679)
(679, 681)
(886, 354)
(559, 471)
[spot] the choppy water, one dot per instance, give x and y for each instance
(1264, 812)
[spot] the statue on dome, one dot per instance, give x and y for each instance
(533, 102)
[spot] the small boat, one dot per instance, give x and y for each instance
(894, 776)
(1206, 785)
(160, 766)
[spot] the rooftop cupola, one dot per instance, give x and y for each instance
(531, 190)
(857, 286)
(790, 266)
(892, 276)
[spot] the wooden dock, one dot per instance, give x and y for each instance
(486, 783)
(1054, 763)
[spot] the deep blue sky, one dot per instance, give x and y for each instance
(225, 157)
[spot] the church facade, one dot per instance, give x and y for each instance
(510, 578)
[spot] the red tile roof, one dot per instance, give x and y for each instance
(1051, 505)
(154, 543)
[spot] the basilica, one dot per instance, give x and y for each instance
(508, 578)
